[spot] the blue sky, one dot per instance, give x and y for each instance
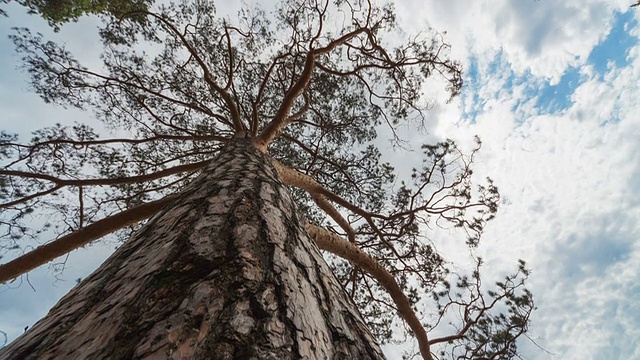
(613, 51)
(548, 96)
(552, 90)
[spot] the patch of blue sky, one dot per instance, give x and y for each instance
(499, 70)
(469, 96)
(554, 98)
(612, 51)
(474, 96)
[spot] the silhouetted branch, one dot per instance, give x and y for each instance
(60, 183)
(233, 109)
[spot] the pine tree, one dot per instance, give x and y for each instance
(250, 144)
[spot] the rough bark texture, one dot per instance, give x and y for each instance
(227, 271)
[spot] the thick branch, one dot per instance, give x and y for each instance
(335, 215)
(280, 120)
(256, 103)
(333, 243)
(48, 252)
(303, 181)
(295, 178)
(282, 117)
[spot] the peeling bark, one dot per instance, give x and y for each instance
(227, 271)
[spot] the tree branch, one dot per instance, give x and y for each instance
(60, 183)
(226, 97)
(282, 117)
(30, 197)
(121, 140)
(83, 143)
(335, 215)
(333, 243)
(254, 112)
(114, 181)
(48, 252)
(309, 184)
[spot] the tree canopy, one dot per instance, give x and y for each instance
(317, 85)
(58, 12)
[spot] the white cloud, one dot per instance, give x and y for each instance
(544, 37)
(569, 179)
(569, 182)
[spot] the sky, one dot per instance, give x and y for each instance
(552, 90)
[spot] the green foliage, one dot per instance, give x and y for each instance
(58, 12)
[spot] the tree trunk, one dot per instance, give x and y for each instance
(225, 272)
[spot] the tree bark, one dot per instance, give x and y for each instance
(226, 271)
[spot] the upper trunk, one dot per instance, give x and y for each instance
(225, 272)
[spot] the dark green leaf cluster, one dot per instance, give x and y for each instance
(58, 12)
(492, 320)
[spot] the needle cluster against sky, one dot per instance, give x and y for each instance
(552, 90)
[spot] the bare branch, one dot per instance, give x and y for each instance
(282, 117)
(60, 183)
(112, 181)
(139, 87)
(315, 155)
(85, 143)
(78, 238)
(295, 178)
(30, 197)
(333, 243)
(254, 112)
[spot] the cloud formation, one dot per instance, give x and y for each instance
(567, 166)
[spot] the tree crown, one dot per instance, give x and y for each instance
(314, 84)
